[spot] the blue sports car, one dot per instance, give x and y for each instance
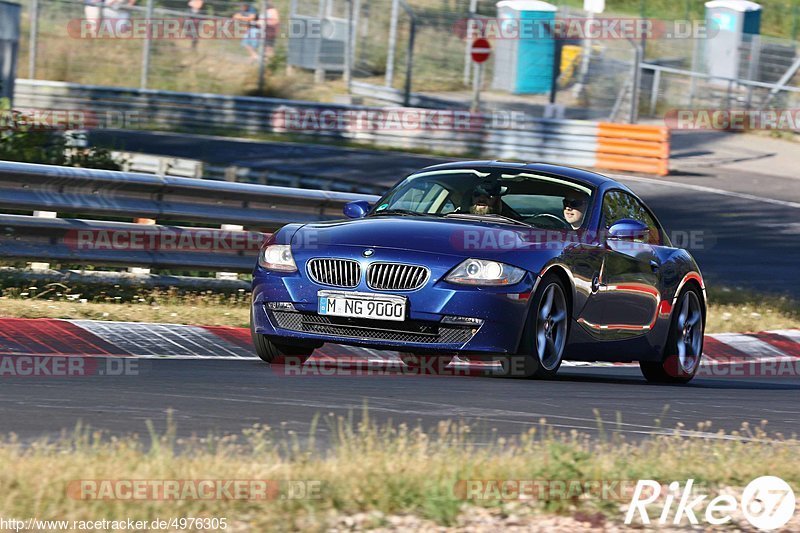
(527, 265)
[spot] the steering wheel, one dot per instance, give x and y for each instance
(547, 216)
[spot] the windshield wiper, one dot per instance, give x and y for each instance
(490, 216)
(408, 212)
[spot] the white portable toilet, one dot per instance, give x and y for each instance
(734, 21)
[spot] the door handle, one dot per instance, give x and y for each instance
(654, 266)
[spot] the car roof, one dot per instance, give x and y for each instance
(585, 177)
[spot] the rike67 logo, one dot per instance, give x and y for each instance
(768, 503)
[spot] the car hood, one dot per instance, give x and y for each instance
(429, 235)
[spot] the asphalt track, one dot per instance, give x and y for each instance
(218, 386)
(222, 397)
(738, 240)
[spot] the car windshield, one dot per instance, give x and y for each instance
(503, 197)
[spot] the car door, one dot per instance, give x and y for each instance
(625, 295)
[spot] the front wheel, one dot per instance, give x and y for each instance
(542, 346)
(684, 347)
(276, 352)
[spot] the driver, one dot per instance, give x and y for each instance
(486, 199)
(575, 204)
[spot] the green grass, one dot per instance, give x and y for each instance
(385, 471)
(730, 310)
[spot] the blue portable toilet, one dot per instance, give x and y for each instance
(735, 22)
(524, 64)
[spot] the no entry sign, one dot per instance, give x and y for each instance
(480, 50)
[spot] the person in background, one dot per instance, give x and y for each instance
(117, 11)
(92, 12)
(195, 7)
(247, 14)
(270, 23)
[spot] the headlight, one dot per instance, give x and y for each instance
(482, 272)
(277, 257)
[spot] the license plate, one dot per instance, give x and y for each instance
(362, 305)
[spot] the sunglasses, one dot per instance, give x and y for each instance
(476, 196)
(574, 203)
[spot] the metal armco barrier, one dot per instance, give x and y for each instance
(26, 186)
(77, 191)
(492, 136)
(125, 244)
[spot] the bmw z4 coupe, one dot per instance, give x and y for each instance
(527, 265)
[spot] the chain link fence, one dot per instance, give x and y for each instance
(764, 76)
(58, 44)
(443, 70)
(419, 47)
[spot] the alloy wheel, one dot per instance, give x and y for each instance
(551, 327)
(689, 332)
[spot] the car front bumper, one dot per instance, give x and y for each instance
(502, 312)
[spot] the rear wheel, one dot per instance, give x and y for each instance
(684, 347)
(545, 336)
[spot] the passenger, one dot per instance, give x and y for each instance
(575, 204)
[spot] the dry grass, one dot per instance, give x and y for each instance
(740, 311)
(369, 469)
(216, 66)
(730, 311)
(170, 306)
(192, 311)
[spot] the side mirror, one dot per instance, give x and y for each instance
(628, 229)
(356, 209)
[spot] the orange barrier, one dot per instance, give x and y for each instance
(633, 147)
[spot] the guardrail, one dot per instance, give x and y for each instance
(47, 189)
(397, 97)
(194, 168)
(512, 135)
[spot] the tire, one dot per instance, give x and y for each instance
(684, 348)
(276, 352)
(544, 339)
